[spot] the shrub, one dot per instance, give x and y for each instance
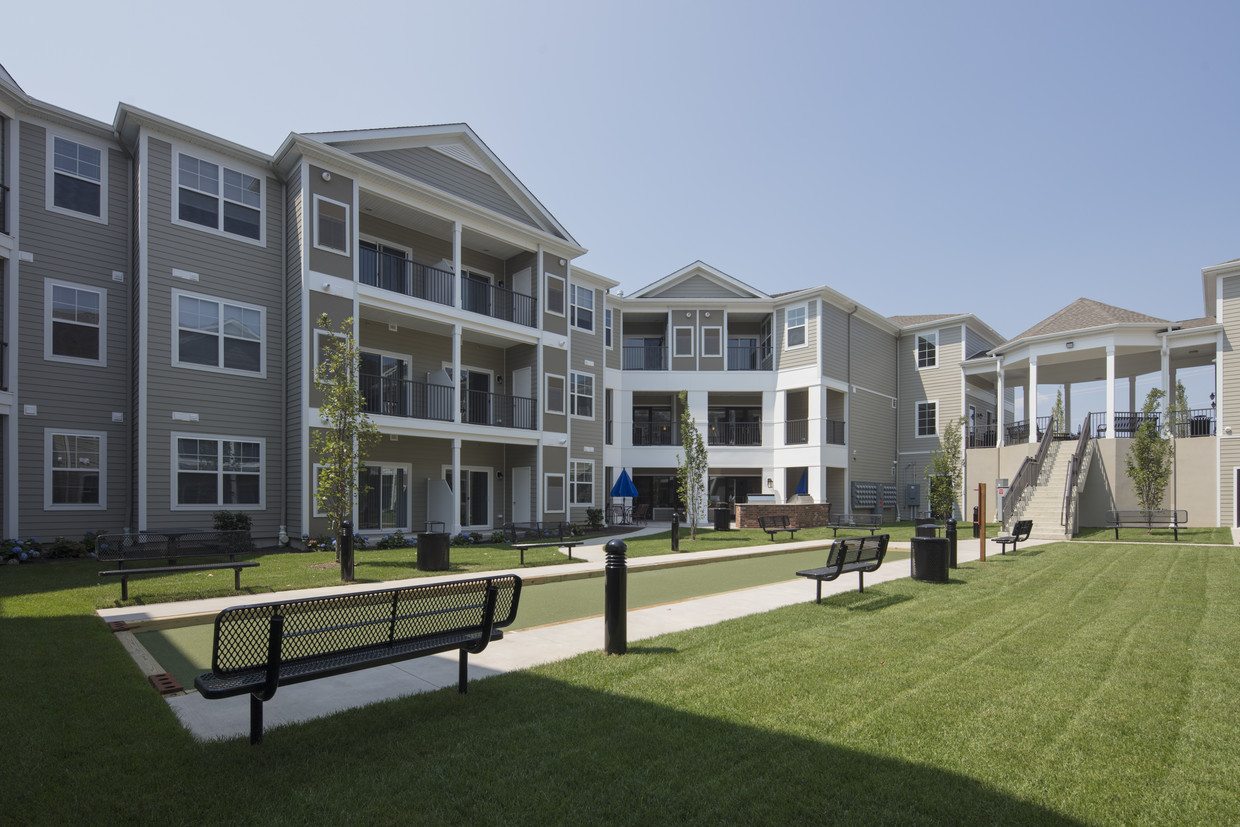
(20, 551)
(396, 540)
(61, 549)
(594, 518)
(499, 537)
(232, 521)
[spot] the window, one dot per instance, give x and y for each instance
(211, 472)
(75, 323)
(607, 328)
(331, 225)
(794, 319)
(712, 341)
(582, 482)
(583, 307)
(75, 470)
(555, 295)
(212, 333)
(927, 350)
(76, 176)
(682, 341)
(553, 499)
(555, 394)
(383, 498)
(582, 394)
(927, 418)
(219, 198)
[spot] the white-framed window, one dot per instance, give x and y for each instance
(75, 470)
(214, 334)
(582, 486)
(555, 394)
(384, 505)
(555, 295)
(583, 307)
(219, 198)
(75, 323)
(331, 225)
(77, 178)
(607, 328)
(927, 418)
(553, 493)
(582, 394)
(927, 350)
(211, 472)
(712, 341)
(682, 341)
(795, 334)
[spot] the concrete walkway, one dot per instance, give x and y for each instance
(229, 718)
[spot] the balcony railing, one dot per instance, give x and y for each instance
(400, 275)
(647, 434)
(645, 357)
(4, 364)
(748, 357)
(835, 432)
(734, 433)
(497, 410)
(983, 436)
(4, 207)
(498, 302)
(796, 432)
(1191, 423)
(404, 397)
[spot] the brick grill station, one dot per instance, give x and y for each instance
(806, 515)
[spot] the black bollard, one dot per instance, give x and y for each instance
(615, 598)
(346, 551)
(951, 542)
(675, 531)
(977, 526)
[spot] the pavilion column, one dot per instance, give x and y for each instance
(1067, 407)
(999, 406)
(456, 485)
(1031, 400)
(1110, 391)
(1166, 380)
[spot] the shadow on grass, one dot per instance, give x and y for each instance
(870, 601)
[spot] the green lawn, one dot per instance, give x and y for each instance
(709, 539)
(1204, 535)
(1063, 684)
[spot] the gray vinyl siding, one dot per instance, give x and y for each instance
(555, 361)
(798, 357)
(696, 287)
(229, 405)
(296, 364)
(871, 425)
(835, 342)
(975, 342)
(941, 384)
(70, 397)
(873, 358)
(339, 189)
(447, 174)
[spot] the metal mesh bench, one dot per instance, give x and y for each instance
(848, 554)
(1149, 520)
(1020, 533)
(522, 536)
(259, 648)
(871, 521)
(771, 523)
(172, 547)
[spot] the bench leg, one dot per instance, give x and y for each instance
(124, 587)
(463, 678)
(861, 581)
(256, 720)
(237, 579)
(819, 598)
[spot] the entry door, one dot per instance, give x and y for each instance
(476, 292)
(476, 397)
(521, 494)
(475, 497)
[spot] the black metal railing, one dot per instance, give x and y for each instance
(4, 366)
(796, 432)
(4, 208)
(647, 434)
(734, 433)
(748, 357)
(1016, 433)
(835, 432)
(400, 275)
(983, 436)
(1062, 432)
(1026, 476)
(1194, 422)
(497, 410)
(1071, 496)
(645, 357)
(498, 302)
(404, 397)
(1190, 423)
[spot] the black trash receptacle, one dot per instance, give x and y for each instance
(929, 559)
(723, 519)
(433, 551)
(926, 530)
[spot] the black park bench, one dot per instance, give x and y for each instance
(259, 648)
(871, 521)
(771, 523)
(1149, 520)
(848, 554)
(172, 548)
(522, 536)
(1020, 533)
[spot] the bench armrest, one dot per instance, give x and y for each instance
(275, 637)
(488, 621)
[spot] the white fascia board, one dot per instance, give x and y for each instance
(130, 120)
(1111, 331)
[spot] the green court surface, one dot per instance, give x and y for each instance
(186, 651)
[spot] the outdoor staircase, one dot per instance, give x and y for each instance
(1043, 503)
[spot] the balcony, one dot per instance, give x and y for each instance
(400, 275)
(404, 397)
(748, 357)
(983, 436)
(735, 433)
(648, 434)
(497, 410)
(498, 302)
(645, 357)
(835, 432)
(796, 432)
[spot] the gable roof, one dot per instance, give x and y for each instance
(699, 280)
(913, 321)
(1084, 314)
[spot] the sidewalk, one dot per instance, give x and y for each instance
(229, 718)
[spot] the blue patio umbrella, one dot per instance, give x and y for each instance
(624, 486)
(803, 485)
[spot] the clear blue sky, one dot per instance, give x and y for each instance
(999, 158)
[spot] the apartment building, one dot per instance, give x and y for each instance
(161, 296)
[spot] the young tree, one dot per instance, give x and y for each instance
(691, 468)
(346, 432)
(946, 470)
(1059, 424)
(1149, 458)
(1178, 412)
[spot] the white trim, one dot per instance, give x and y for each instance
(572, 483)
(173, 505)
(676, 353)
(144, 337)
(48, 286)
(562, 312)
(804, 325)
(222, 164)
(609, 329)
(348, 226)
(572, 395)
(930, 336)
(51, 172)
(563, 394)
(315, 334)
(486, 470)
(48, 469)
(177, 295)
(573, 291)
(705, 354)
(564, 494)
(917, 419)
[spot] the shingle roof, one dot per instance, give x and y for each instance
(1083, 314)
(910, 321)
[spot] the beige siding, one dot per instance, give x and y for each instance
(941, 384)
(1229, 405)
(797, 357)
(835, 341)
(873, 358)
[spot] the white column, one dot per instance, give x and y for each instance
(1110, 391)
(1067, 406)
(1167, 387)
(777, 424)
(1000, 397)
(816, 416)
(456, 263)
(1031, 400)
(456, 485)
(456, 373)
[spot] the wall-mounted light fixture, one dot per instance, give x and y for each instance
(770, 483)
(499, 475)
(327, 176)
(499, 380)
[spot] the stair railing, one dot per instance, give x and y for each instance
(1026, 476)
(1077, 470)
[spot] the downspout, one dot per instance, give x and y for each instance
(284, 452)
(848, 418)
(131, 481)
